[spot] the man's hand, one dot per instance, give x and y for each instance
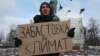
(18, 42)
(71, 32)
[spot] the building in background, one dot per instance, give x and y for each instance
(78, 39)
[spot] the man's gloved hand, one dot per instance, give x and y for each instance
(18, 42)
(71, 32)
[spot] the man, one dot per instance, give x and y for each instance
(46, 16)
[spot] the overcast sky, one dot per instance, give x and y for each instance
(22, 11)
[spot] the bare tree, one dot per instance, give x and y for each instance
(93, 28)
(93, 32)
(10, 36)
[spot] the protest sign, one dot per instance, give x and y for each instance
(44, 38)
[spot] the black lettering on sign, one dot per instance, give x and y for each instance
(59, 45)
(65, 39)
(41, 30)
(32, 32)
(48, 30)
(53, 29)
(44, 46)
(47, 27)
(57, 28)
(28, 34)
(66, 28)
(22, 32)
(61, 29)
(44, 38)
(38, 31)
(37, 46)
(27, 50)
(51, 44)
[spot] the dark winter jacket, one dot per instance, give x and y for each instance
(38, 18)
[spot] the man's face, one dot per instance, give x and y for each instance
(45, 10)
